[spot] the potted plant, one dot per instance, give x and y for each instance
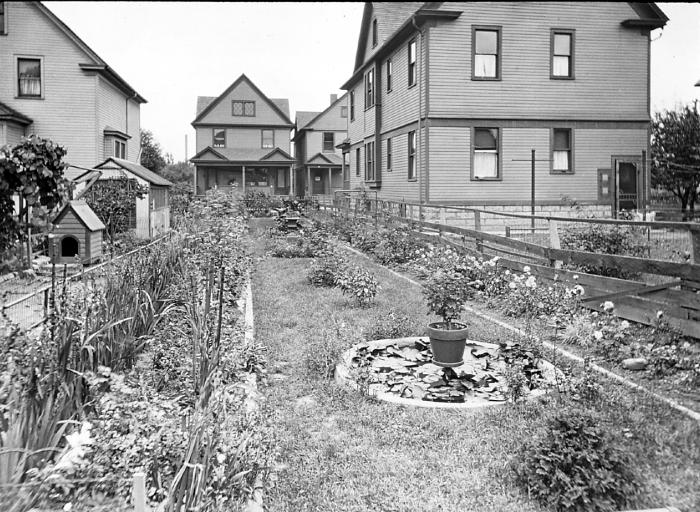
(445, 293)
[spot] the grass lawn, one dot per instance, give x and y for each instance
(340, 451)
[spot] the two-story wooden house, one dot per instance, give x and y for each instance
(53, 85)
(317, 137)
(447, 100)
(243, 141)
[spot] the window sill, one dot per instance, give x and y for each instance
(29, 97)
(369, 108)
(374, 184)
(412, 180)
(552, 77)
(562, 173)
(486, 79)
(485, 179)
(411, 86)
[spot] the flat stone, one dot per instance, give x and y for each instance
(634, 363)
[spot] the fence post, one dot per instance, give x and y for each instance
(694, 234)
(139, 492)
(554, 242)
(507, 231)
(46, 303)
(477, 227)
(443, 215)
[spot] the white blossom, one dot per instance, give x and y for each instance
(608, 306)
(598, 335)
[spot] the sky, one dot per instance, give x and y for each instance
(173, 52)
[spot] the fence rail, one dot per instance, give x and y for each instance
(670, 286)
(31, 310)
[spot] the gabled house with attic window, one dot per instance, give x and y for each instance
(318, 136)
(447, 101)
(243, 141)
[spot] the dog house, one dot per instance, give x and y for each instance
(77, 233)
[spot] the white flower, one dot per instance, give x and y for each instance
(511, 285)
(608, 306)
(507, 272)
(598, 335)
(526, 269)
(220, 458)
(578, 290)
(531, 282)
(624, 324)
(659, 314)
(575, 277)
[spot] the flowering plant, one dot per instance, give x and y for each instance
(446, 293)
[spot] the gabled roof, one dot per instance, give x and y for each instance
(83, 212)
(242, 155)
(282, 104)
(318, 115)
(9, 114)
(303, 118)
(275, 107)
(203, 102)
(98, 65)
(138, 170)
(325, 158)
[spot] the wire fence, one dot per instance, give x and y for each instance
(31, 310)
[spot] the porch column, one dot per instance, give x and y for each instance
(308, 181)
(243, 178)
(291, 181)
(330, 181)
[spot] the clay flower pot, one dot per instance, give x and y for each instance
(447, 344)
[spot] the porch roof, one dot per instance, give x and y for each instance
(329, 159)
(7, 113)
(242, 155)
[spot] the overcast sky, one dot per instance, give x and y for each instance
(173, 52)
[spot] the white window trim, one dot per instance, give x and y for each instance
(16, 76)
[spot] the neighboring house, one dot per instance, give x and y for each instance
(317, 135)
(152, 212)
(243, 141)
(447, 100)
(53, 85)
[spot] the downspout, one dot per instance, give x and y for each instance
(419, 153)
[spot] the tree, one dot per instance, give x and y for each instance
(675, 154)
(114, 202)
(180, 172)
(33, 171)
(151, 153)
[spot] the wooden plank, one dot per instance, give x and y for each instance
(634, 291)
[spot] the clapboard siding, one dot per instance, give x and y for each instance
(331, 120)
(610, 63)
(390, 16)
(356, 127)
(222, 113)
(314, 142)
(241, 138)
(355, 180)
(395, 184)
(13, 134)
(112, 111)
(450, 162)
(400, 106)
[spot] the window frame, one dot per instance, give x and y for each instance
(499, 153)
(213, 137)
(118, 143)
(499, 51)
(572, 168)
(375, 38)
(323, 142)
(572, 53)
(370, 168)
(358, 160)
(389, 154)
(389, 75)
(42, 83)
(243, 108)
(3, 20)
(412, 78)
(369, 89)
(411, 144)
(262, 138)
(352, 105)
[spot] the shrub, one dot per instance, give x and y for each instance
(326, 271)
(446, 293)
(391, 325)
(322, 351)
(574, 465)
(360, 284)
(259, 203)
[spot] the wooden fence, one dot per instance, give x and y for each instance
(669, 286)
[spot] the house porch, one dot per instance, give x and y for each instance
(273, 180)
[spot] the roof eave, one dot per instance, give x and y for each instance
(650, 23)
(114, 79)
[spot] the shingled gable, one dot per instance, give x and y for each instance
(97, 65)
(230, 88)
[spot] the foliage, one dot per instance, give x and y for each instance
(446, 293)
(326, 271)
(259, 203)
(391, 325)
(33, 169)
(151, 153)
(179, 173)
(574, 465)
(323, 349)
(114, 202)
(360, 284)
(675, 154)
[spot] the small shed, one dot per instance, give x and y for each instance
(77, 232)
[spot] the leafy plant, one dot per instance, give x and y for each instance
(322, 351)
(446, 293)
(326, 271)
(574, 465)
(391, 325)
(114, 202)
(360, 284)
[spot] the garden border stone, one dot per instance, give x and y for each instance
(344, 377)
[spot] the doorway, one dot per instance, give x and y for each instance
(628, 181)
(70, 247)
(318, 182)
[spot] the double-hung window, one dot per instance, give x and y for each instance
(486, 161)
(389, 73)
(219, 138)
(28, 78)
(562, 46)
(412, 63)
(412, 155)
(388, 155)
(242, 108)
(562, 151)
(328, 142)
(358, 161)
(374, 33)
(352, 105)
(267, 138)
(486, 53)
(369, 89)
(119, 149)
(3, 18)
(369, 162)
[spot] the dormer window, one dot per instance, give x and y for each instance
(374, 33)
(243, 108)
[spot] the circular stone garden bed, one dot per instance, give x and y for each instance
(401, 371)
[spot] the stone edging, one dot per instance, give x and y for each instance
(343, 377)
(609, 374)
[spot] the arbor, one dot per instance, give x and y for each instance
(151, 153)
(33, 172)
(675, 154)
(114, 202)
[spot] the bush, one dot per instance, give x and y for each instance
(445, 294)
(259, 203)
(391, 325)
(326, 271)
(360, 284)
(574, 465)
(322, 351)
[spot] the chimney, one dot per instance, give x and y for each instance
(334, 98)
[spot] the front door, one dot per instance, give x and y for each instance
(627, 184)
(318, 184)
